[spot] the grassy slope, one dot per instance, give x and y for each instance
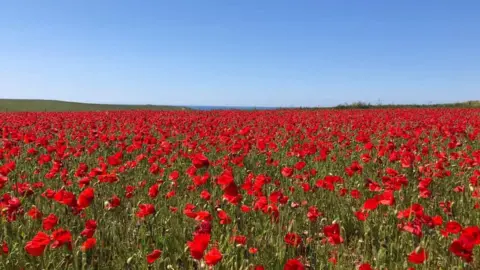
(22, 105)
(36, 105)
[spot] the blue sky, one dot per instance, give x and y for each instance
(249, 52)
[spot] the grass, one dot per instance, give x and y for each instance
(36, 105)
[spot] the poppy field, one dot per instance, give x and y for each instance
(278, 189)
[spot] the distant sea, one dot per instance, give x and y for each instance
(246, 108)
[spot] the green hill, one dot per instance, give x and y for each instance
(36, 105)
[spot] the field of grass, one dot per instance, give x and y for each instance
(279, 189)
(35, 105)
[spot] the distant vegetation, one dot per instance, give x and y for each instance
(31, 105)
(366, 105)
(35, 105)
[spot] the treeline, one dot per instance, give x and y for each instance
(367, 105)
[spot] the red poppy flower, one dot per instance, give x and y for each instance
(213, 257)
(90, 227)
(62, 237)
(200, 161)
(153, 256)
(332, 232)
(153, 191)
(86, 197)
(189, 210)
(293, 239)
(387, 198)
(198, 245)
(287, 171)
(205, 195)
(66, 198)
(37, 245)
(239, 239)
(114, 202)
(34, 213)
(88, 244)
(3, 181)
(333, 259)
(205, 227)
(462, 249)
(370, 204)
(452, 227)
(203, 215)
(437, 220)
(418, 256)
(49, 222)
(313, 213)
(115, 159)
(300, 165)
(224, 218)
(226, 178)
(365, 266)
(231, 194)
(293, 264)
(4, 249)
(361, 215)
(145, 210)
(355, 194)
(174, 176)
(170, 194)
(245, 209)
(471, 235)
